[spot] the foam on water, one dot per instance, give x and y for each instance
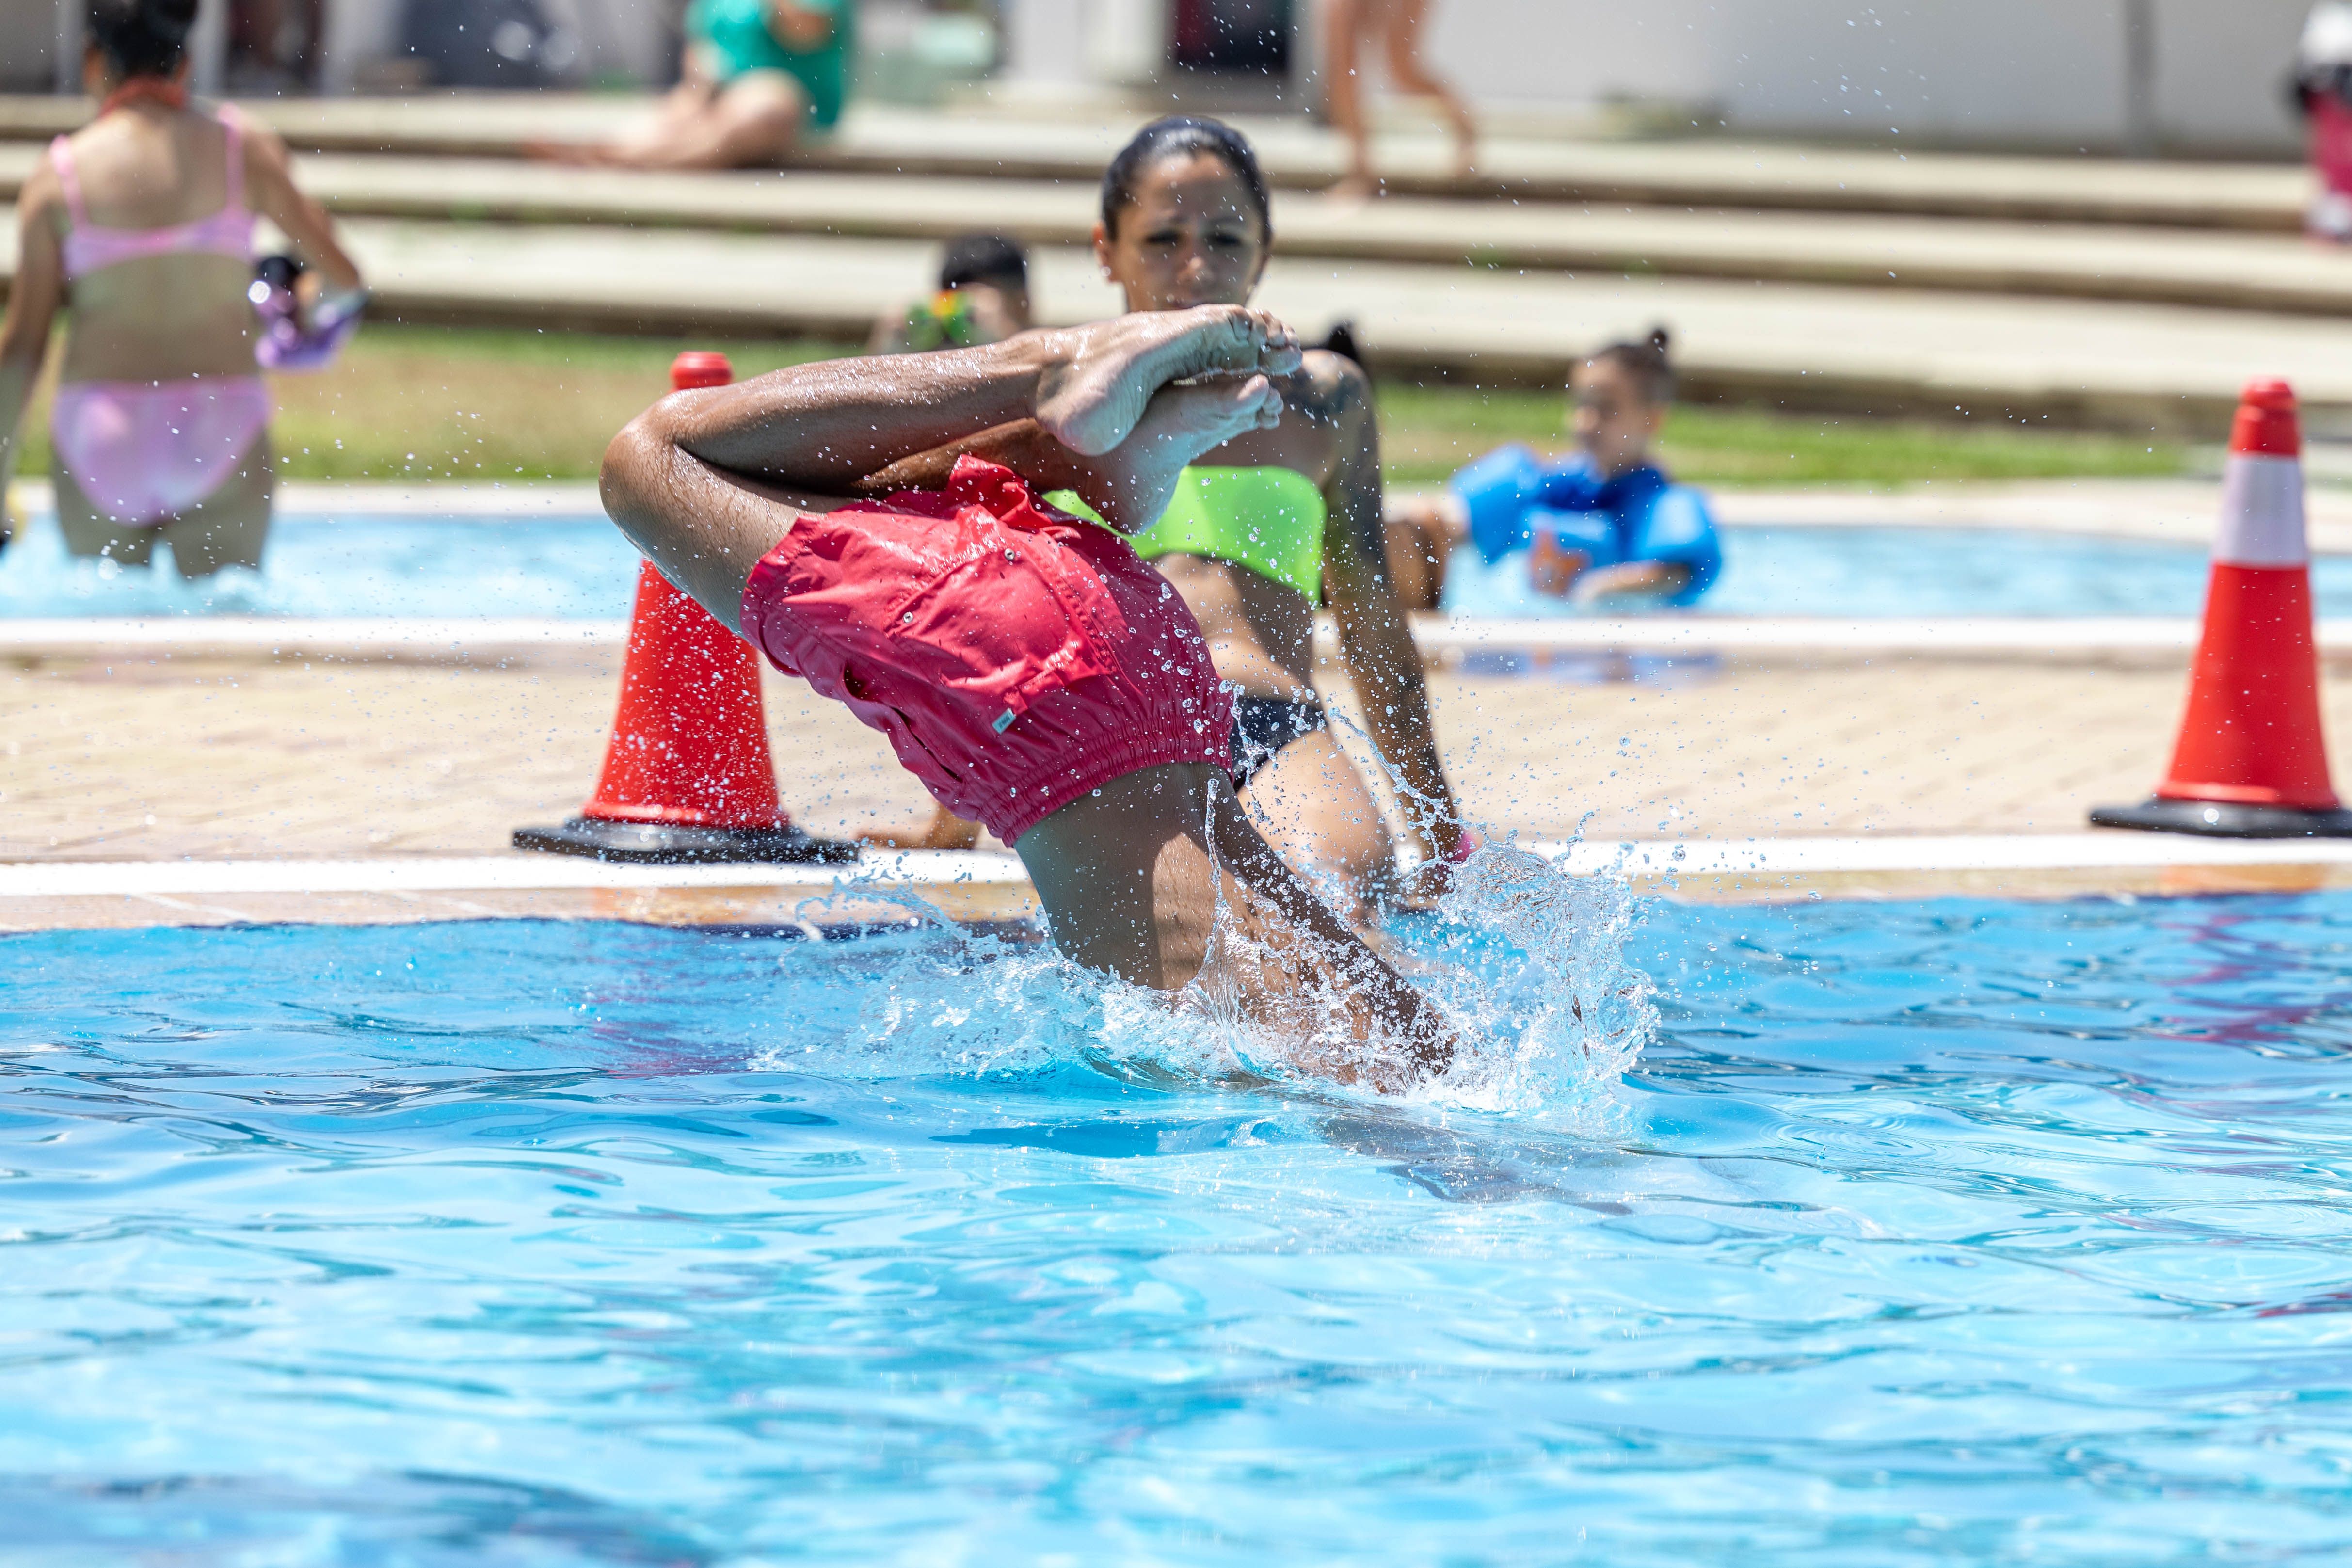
(1529, 961)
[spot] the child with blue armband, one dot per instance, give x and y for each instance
(1604, 530)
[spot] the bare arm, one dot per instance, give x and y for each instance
(1645, 577)
(1373, 636)
(800, 28)
(706, 482)
(34, 301)
(1359, 975)
(1129, 492)
(270, 178)
(695, 481)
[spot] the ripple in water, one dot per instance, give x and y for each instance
(1946, 1232)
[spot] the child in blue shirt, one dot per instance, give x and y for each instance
(1605, 529)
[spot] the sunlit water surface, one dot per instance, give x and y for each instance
(1951, 1232)
(581, 568)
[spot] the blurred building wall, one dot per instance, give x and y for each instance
(28, 31)
(1989, 72)
(620, 41)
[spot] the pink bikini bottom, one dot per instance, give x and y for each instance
(144, 451)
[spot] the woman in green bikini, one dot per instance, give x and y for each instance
(1273, 523)
(759, 74)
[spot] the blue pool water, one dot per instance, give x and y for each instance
(582, 568)
(1938, 1233)
(561, 568)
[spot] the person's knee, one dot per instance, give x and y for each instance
(1318, 811)
(766, 112)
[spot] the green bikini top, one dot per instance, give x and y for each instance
(1268, 520)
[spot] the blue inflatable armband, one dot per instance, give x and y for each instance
(1496, 491)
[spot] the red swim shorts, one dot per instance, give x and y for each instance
(1016, 658)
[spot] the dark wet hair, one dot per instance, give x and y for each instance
(984, 258)
(1177, 136)
(1645, 362)
(142, 37)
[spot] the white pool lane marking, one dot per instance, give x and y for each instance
(1959, 852)
(160, 880)
(1438, 634)
(500, 873)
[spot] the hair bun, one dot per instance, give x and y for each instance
(170, 19)
(1660, 340)
(143, 37)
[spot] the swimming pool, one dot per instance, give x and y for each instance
(581, 568)
(1944, 1232)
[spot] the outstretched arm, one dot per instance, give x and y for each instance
(706, 482)
(269, 177)
(1373, 636)
(1661, 578)
(33, 303)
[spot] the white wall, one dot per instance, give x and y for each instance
(1989, 71)
(29, 32)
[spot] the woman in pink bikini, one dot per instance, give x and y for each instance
(140, 225)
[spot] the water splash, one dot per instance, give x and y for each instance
(1527, 960)
(1532, 960)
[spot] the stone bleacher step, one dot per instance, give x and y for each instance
(2231, 270)
(1888, 351)
(1297, 154)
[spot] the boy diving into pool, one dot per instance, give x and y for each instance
(871, 526)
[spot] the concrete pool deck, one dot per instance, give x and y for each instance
(1854, 770)
(200, 770)
(908, 889)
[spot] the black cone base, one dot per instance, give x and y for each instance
(2217, 819)
(661, 843)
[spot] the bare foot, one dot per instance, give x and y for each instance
(571, 154)
(1354, 189)
(1131, 484)
(945, 830)
(1091, 400)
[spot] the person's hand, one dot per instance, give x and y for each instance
(1646, 578)
(1553, 569)
(1422, 886)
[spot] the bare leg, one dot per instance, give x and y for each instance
(945, 830)
(680, 107)
(231, 526)
(1409, 75)
(89, 532)
(1133, 878)
(752, 123)
(1345, 22)
(1314, 808)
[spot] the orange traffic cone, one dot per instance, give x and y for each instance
(2251, 761)
(687, 776)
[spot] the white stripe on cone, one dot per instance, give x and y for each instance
(2261, 513)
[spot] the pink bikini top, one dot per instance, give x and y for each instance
(228, 232)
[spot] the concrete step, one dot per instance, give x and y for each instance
(2223, 270)
(2176, 369)
(1301, 154)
